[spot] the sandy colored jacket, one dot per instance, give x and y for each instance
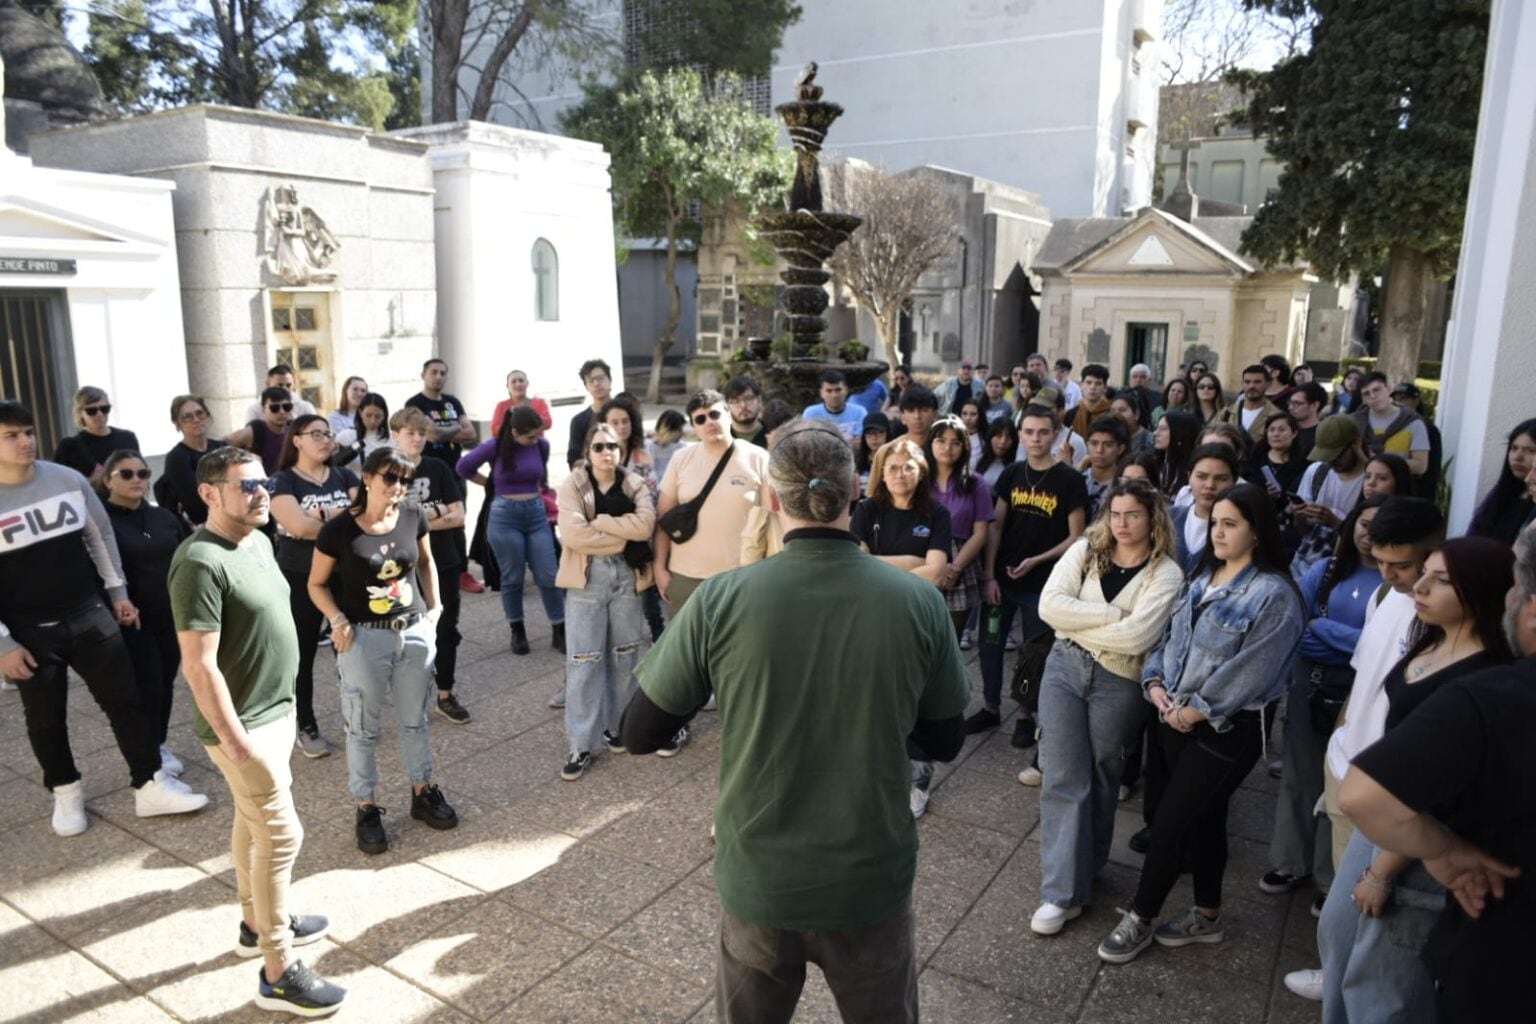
(1073, 605)
(583, 533)
(762, 537)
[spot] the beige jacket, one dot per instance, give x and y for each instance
(1121, 633)
(762, 537)
(584, 534)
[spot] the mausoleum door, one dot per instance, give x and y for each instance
(301, 337)
(1146, 343)
(35, 361)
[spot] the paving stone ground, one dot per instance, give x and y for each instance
(566, 902)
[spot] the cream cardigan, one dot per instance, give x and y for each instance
(1120, 633)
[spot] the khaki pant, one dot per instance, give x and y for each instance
(267, 834)
(1343, 828)
(679, 591)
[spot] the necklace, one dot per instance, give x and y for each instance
(1431, 663)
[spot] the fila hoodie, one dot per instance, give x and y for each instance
(57, 549)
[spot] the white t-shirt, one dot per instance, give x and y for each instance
(1383, 641)
(1248, 415)
(1338, 494)
(1195, 531)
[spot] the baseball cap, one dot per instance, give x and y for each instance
(1334, 434)
(1406, 390)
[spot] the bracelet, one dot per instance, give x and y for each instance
(1371, 880)
(339, 621)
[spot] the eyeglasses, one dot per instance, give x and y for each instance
(1205, 387)
(700, 417)
(280, 407)
(195, 414)
(132, 474)
(96, 410)
(250, 487)
(606, 446)
(318, 434)
(394, 479)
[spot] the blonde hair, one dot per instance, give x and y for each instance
(411, 418)
(903, 445)
(1101, 539)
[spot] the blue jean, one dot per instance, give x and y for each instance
(378, 661)
(1371, 967)
(520, 535)
(992, 654)
(1089, 719)
(605, 629)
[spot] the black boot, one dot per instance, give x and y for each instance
(519, 638)
(557, 637)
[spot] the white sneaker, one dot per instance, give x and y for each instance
(1050, 918)
(919, 802)
(6, 684)
(69, 809)
(1125, 793)
(1307, 984)
(1030, 776)
(710, 704)
(170, 763)
(967, 640)
(166, 794)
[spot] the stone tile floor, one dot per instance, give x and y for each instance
(558, 901)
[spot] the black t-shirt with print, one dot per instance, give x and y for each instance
(1039, 502)
(436, 484)
(377, 571)
(888, 530)
(294, 555)
(443, 411)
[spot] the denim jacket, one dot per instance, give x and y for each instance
(1241, 649)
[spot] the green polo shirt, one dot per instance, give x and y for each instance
(237, 591)
(823, 659)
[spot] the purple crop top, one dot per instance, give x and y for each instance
(521, 475)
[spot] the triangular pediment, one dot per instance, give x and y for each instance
(23, 218)
(1155, 243)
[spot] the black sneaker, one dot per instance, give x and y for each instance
(519, 638)
(1023, 733)
(1277, 882)
(299, 991)
(1141, 841)
(450, 708)
(612, 742)
(432, 807)
(370, 830)
(673, 745)
(557, 637)
(306, 929)
(576, 766)
(981, 721)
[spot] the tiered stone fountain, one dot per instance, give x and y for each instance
(805, 236)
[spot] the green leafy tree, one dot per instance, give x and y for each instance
(679, 148)
(318, 58)
(1375, 125)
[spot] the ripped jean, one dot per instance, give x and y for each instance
(604, 636)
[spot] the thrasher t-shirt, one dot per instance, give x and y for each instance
(377, 570)
(1039, 504)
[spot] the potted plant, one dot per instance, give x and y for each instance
(853, 351)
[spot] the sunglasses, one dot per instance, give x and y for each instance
(132, 474)
(318, 434)
(280, 407)
(700, 418)
(394, 479)
(250, 487)
(607, 446)
(188, 417)
(96, 410)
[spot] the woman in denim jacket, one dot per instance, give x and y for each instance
(1227, 653)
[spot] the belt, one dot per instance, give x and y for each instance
(398, 623)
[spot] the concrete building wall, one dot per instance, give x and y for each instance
(1232, 168)
(374, 194)
(1489, 370)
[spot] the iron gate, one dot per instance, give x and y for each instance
(30, 324)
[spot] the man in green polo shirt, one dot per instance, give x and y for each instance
(240, 654)
(816, 846)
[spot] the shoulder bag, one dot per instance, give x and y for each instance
(682, 522)
(1328, 686)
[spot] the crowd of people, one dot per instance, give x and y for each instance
(1184, 571)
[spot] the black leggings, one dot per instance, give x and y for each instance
(307, 620)
(156, 656)
(1205, 767)
(448, 635)
(88, 641)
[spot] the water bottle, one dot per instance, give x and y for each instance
(992, 629)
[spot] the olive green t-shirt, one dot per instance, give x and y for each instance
(822, 658)
(237, 591)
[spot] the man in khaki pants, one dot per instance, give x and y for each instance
(240, 654)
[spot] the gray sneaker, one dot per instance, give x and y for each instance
(1189, 927)
(558, 700)
(311, 743)
(1125, 943)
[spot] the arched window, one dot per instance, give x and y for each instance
(546, 281)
